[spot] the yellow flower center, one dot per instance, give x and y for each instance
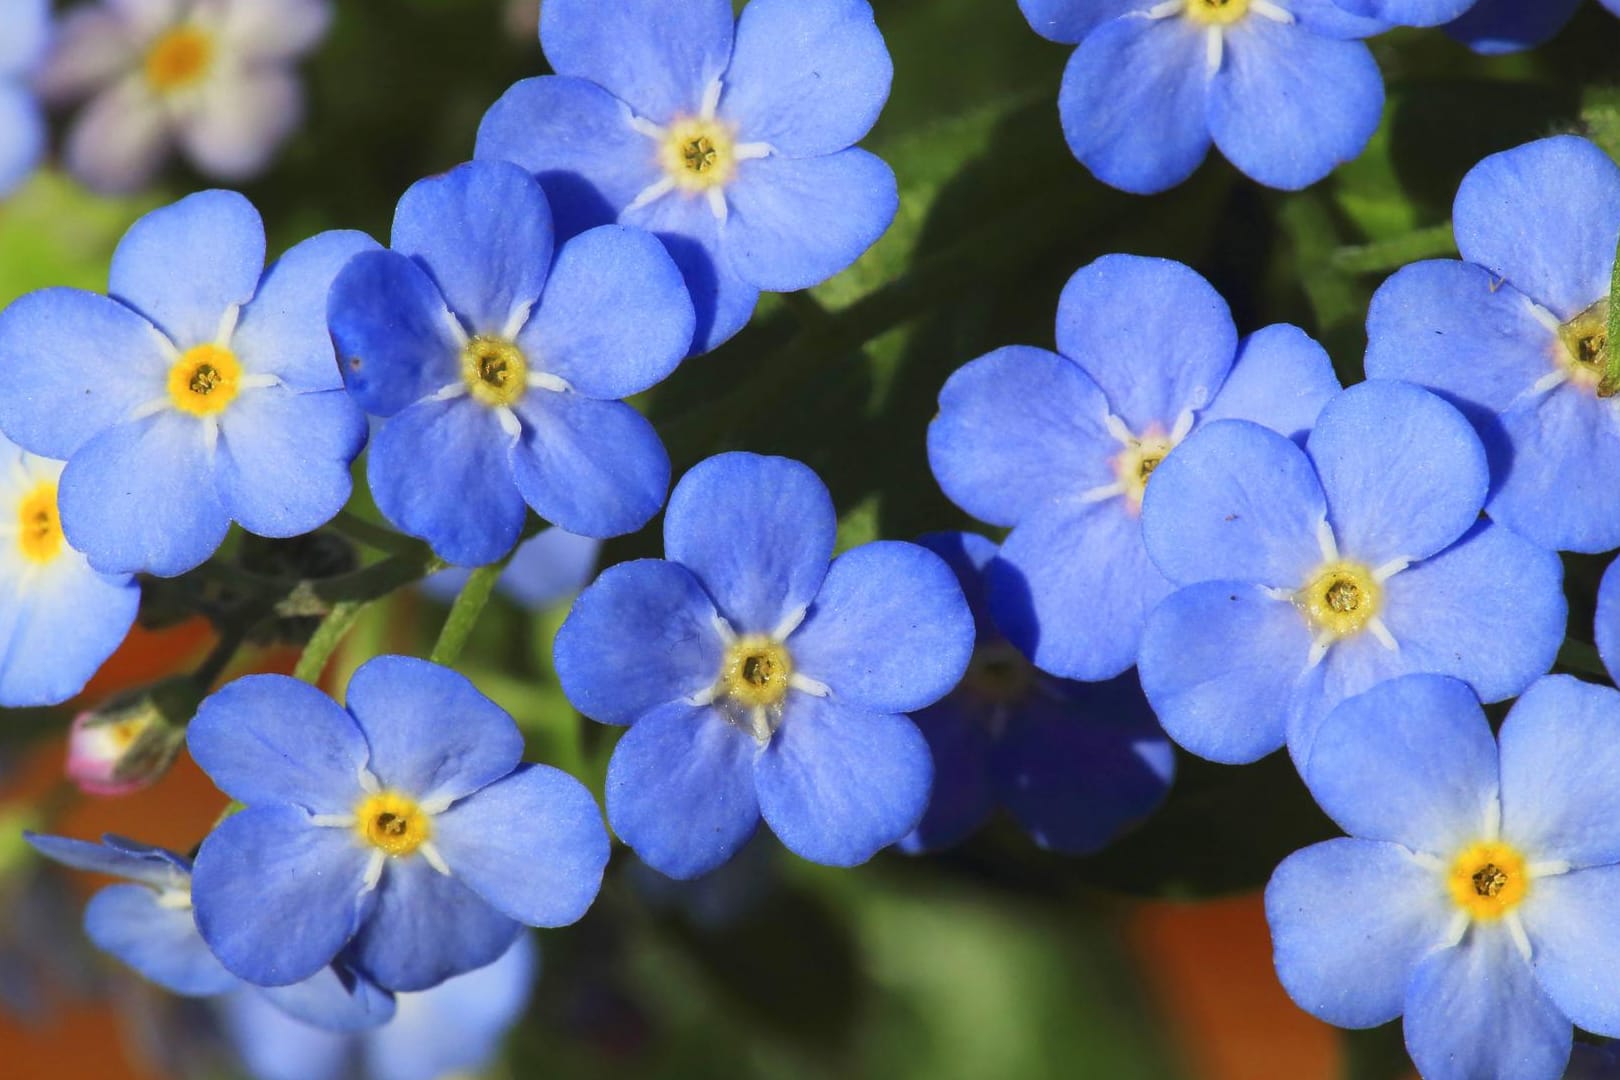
(39, 526)
(1584, 345)
(1134, 465)
(755, 673)
(179, 59)
(698, 154)
(999, 674)
(494, 370)
(204, 380)
(1487, 880)
(1217, 12)
(1341, 599)
(392, 823)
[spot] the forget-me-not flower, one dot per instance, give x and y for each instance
(757, 680)
(732, 142)
(1475, 893)
(546, 569)
(59, 618)
(1516, 335)
(212, 77)
(1307, 576)
(1281, 87)
(1061, 447)
(454, 1029)
(402, 831)
(500, 370)
(147, 922)
(1075, 763)
(196, 394)
(25, 32)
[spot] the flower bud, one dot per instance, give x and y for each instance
(124, 746)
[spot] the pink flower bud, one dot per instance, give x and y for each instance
(122, 747)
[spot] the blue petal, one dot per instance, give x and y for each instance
(968, 555)
(1238, 501)
(1331, 19)
(483, 233)
(51, 407)
(283, 458)
(152, 866)
(577, 140)
(1067, 22)
(962, 795)
(1560, 747)
(1124, 308)
(276, 897)
(807, 76)
(1543, 216)
(837, 784)
(274, 1046)
(1403, 471)
(1408, 12)
(1606, 628)
(1133, 103)
(550, 568)
(23, 136)
(395, 338)
(334, 1001)
(283, 331)
(1574, 929)
(1350, 919)
(1492, 27)
(1476, 1011)
(184, 266)
(28, 34)
(615, 318)
(1280, 379)
(659, 57)
(274, 739)
(1457, 329)
(680, 790)
(1352, 666)
(159, 942)
(440, 470)
(1434, 612)
(431, 733)
(642, 636)
(1411, 761)
(1008, 423)
(596, 468)
(60, 625)
(795, 222)
(532, 845)
(1079, 768)
(1288, 106)
(1560, 447)
(722, 300)
(1073, 587)
(1224, 666)
(757, 532)
(140, 496)
(427, 927)
(889, 630)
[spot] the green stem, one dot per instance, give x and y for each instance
(464, 613)
(374, 536)
(1611, 373)
(1432, 243)
(325, 640)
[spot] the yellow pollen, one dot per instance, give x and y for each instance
(1217, 12)
(179, 59)
(392, 823)
(1487, 880)
(495, 370)
(1584, 345)
(39, 526)
(755, 673)
(1341, 599)
(204, 380)
(1134, 465)
(698, 154)
(999, 674)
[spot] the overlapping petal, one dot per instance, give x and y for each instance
(1281, 378)
(426, 927)
(658, 57)
(159, 941)
(1559, 746)
(283, 330)
(282, 460)
(397, 343)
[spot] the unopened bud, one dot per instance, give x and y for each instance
(124, 746)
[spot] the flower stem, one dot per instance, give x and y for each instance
(464, 613)
(325, 641)
(374, 536)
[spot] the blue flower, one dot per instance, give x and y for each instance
(455, 1028)
(1492, 27)
(545, 570)
(732, 143)
(401, 832)
(148, 924)
(757, 680)
(1475, 892)
(1280, 86)
(197, 394)
(500, 371)
(1606, 625)
(1061, 447)
(25, 31)
(1307, 576)
(1516, 335)
(1075, 763)
(59, 618)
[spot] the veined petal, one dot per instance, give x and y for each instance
(427, 927)
(1280, 379)
(241, 119)
(1558, 448)
(393, 333)
(283, 330)
(1558, 745)
(1574, 930)
(67, 620)
(721, 298)
(659, 57)
(160, 942)
(283, 457)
